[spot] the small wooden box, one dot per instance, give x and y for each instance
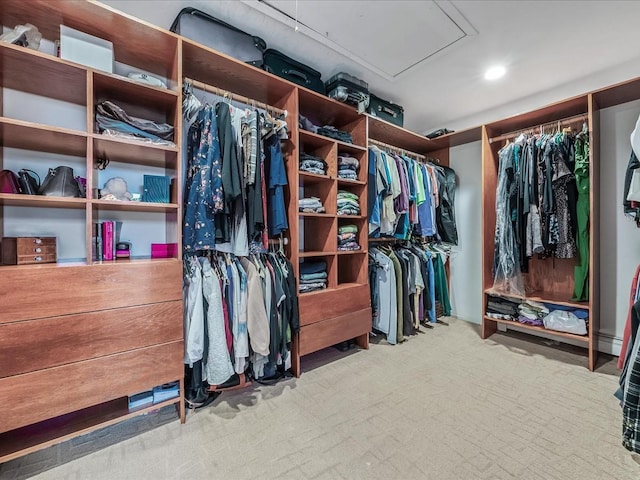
(28, 250)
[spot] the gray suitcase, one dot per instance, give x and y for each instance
(212, 32)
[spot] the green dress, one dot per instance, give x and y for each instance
(581, 271)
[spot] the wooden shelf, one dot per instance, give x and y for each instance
(311, 178)
(556, 111)
(220, 70)
(135, 42)
(39, 73)
(391, 134)
(42, 138)
(134, 206)
(323, 110)
(41, 435)
(316, 141)
(315, 254)
(317, 215)
(107, 85)
(347, 285)
(311, 141)
(580, 338)
(18, 200)
(134, 151)
(345, 181)
(352, 217)
(456, 138)
(352, 252)
(134, 260)
(545, 297)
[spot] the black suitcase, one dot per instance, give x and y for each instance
(388, 111)
(286, 67)
(349, 89)
(214, 33)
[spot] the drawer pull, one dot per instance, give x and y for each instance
(37, 250)
(37, 259)
(37, 241)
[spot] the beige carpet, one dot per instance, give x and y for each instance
(444, 405)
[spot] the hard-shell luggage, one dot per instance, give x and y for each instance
(385, 110)
(212, 32)
(286, 67)
(349, 89)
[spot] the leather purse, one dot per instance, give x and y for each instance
(28, 183)
(59, 182)
(9, 182)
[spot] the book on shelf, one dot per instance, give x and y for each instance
(107, 235)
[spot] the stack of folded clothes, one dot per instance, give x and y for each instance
(532, 313)
(311, 164)
(113, 120)
(347, 167)
(348, 203)
(348, 238)
(313, 276)
(502, 308)
(311, 205)
(333, 132)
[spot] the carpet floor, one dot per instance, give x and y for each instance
(443, 405)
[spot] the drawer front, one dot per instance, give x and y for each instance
(44, 394)
(333, 303)
(34, 258)
(65, 290)
(323, 334)
(33, 249)
(73, 338)
(26, 242)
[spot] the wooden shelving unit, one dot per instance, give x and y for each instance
(549, 280)
(349, 316)
(103, 330)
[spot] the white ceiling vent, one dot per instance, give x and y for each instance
(388, 38)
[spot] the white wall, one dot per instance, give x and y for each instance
(466, 261)
(619, 237)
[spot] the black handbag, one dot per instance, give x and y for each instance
(29, 184)
(286, 67)
(212, 32)
(59, 182)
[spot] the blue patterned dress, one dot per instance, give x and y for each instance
(203, 186)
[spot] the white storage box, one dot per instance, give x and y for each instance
(80, 47)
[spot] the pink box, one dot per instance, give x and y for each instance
(164, 250)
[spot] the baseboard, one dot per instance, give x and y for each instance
(609, 344)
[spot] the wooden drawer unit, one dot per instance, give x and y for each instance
(65, 290)
(333, 303)
(334, 330)
(28, 250)
(93, 335)
(48, 393)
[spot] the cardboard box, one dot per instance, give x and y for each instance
(80, 47)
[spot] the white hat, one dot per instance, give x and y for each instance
(635, 139)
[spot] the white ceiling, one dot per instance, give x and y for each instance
(430, 56)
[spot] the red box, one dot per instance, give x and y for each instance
(164, 250)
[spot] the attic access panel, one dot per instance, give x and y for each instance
(389, 38)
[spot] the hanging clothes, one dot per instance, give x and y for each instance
(581, 170)
(406, 280)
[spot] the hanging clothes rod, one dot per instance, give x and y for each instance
(234, 96)
(563, 122)
(397, 149)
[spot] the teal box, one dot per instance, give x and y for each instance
(156, 189)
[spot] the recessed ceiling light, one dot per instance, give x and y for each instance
(495, 72)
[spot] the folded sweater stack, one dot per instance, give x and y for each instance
(348, 203)
(312, 164)
(313, 276)
(532, 313)
(348, 238)
(348, 167)
(311, 205)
